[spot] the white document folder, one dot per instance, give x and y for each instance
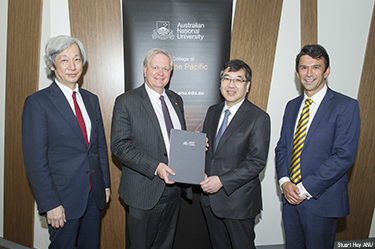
(187, 156)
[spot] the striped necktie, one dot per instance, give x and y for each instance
(299, 141)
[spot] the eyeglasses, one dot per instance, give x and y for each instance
(237, 81)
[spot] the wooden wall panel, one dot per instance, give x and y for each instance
(22, 79)
(309, 22)
(254, 38)
(97, 24)
(362, 174)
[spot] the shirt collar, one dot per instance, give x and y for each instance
(153, 94)
(317, 98)
(234, 108)
(67, 90)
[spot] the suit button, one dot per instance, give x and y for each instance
(165, 154)
(87, 172)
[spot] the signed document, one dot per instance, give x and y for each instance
(187, 156)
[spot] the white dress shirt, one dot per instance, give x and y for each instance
(68, 92)
(156, 104)
(233, 110)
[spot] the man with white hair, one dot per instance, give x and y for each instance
(65, 151)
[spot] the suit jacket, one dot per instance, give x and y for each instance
(57, 160)
(329, 151)
(239, 158)
(137, 141)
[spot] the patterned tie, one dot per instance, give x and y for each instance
(299, 141)
(167, 117)
(80, 120)
(222, 128)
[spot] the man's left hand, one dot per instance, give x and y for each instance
(210, 185)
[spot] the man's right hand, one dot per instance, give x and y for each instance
(56, 217)
(291, 193)
(163, 170)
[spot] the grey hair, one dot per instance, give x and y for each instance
(155, 51)
(56, 45)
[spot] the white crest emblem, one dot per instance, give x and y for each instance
(162, 31)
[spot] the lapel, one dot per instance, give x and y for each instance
(91, 112)
(322, 110)
(62, 106)
(237, 120)
(146, 103)
(292, 121)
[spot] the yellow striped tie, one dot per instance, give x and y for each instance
(299, 141)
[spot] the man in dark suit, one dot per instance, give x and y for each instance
(65, 151)
(314, 154)
(142, 119)
(231, 196)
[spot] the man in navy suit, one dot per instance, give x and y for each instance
(65, 151)
(231, 197)
(140, 140)
(316, 193)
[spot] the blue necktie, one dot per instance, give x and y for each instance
(222, 128)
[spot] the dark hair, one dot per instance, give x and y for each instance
(237, 65)
(315, 51)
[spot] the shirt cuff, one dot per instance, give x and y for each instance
(303, 191)
(282, 181)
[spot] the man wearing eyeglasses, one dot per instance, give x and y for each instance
(238, 133)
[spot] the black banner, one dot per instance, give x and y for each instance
(195, 32)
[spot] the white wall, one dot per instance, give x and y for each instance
(342, 31)
(55, 22)
(3, 42)
(344, 35)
